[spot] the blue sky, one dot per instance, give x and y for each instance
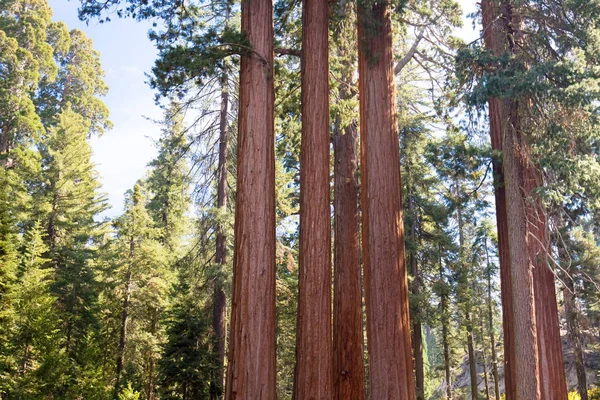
(121, 155)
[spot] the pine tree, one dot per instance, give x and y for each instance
(72, 202)
(143, 284)
(40, 364)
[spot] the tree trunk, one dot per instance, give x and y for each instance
(152, 359)
(574, 333)
(553, 383)
(526, 343)
(386, 286)
(313, 379)
(572, 316)
(251, 370)
(417, 331)
(493, 40)
(219, 300)
(348, 364)
(491, 326)
(463, 266)
(124, 320)
(472, 358)
(445, 323)
(484, 362)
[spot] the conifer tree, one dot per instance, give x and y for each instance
(386, 287)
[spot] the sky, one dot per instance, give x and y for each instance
(122, 154)
(126, 53)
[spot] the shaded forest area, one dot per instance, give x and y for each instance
(348, 202)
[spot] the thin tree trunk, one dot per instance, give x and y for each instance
(469, 323)
(417, 331)
(574, 333)
(251, 372)
(484, 362)
(313, 374)
(386, 286)
(572, 316)
(348, 363)
(494, 40)
(124, 320)
(472, 358)
(445, 334)
(491, 325)
(219, 299)
(152, 360)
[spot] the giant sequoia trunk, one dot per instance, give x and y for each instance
(526, 222)
(348, 351)
(494, 41)
(348, 363)
(251, 370)
(219, 300)
(313, 379)
(526, 342)
(386, 287)
(553, 383)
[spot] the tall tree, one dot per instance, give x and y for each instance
(386, 286)
(348, 341)
(251, 369)
(492, 37)
(313, 344)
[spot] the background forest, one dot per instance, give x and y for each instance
(139, 306)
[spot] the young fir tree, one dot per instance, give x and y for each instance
(143, 282)
(72, 202)
(39, 362)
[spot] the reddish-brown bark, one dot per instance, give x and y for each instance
(313, 374)
(386, 287)
(348, 364)
(251, 373)
(526, 342)
(493, 40)
(553, 382)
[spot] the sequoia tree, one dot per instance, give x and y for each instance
(386, 286)
(251, 369)
(313, 379)
(348, 347)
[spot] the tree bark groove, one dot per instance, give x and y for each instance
(386, 286)
(314, 375)
(251, 372)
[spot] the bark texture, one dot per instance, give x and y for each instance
(348, 340)
(526, 342)
(314, 379)
(251, 371)
(348, 364)
(219, 300)
(553, 383)
(494, 41)
(386, 287)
